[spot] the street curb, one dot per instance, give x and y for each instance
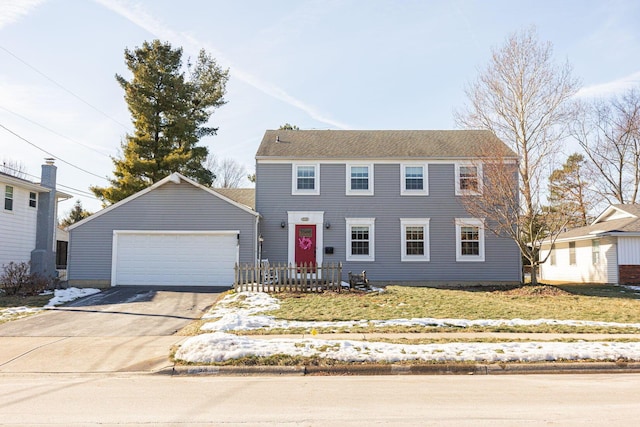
(426, 369)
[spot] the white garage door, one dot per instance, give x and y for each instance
(174, 258)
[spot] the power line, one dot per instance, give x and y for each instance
(63, 88)
(54, 132)
(75, 191)
(50, 154)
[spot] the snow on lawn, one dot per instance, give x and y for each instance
(242, 311)
(60, 296)
(232, 318)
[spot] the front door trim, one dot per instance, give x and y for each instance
(305, 218)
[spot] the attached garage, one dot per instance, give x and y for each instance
(174, 233)
(174, 258)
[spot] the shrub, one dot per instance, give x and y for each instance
(16, 280)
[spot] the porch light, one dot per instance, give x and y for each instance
(327, 225)
(283, 224)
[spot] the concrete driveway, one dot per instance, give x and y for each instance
(122, 329)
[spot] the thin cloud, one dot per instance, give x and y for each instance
(12, 10)
(610, 88)
(140, 17)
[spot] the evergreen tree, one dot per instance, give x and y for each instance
(568, 191)
(170, 112)
(288, 126)
(77, 213)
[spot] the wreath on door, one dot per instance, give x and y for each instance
(305, 243)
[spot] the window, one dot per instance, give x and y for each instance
(32, 199)
(414, 180)
(8, 198)
(61, 254)
(469, 239)
(468, 179)
(415, 239)
(572, 253)
(552, 255)
(595, 252)
(359, 180)
(360, 239)
(306, 179)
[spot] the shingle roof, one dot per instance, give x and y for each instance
(624, 225)
(244, 196)
(379, 144)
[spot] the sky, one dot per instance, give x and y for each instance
(326, 64)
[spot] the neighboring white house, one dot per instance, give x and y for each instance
(607, 251)
(28, 220)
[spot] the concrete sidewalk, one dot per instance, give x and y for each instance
(150, 354)
(86, 354)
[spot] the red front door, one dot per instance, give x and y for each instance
(305, 242)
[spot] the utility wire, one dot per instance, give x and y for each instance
(64, 88)
(50, 154)
(75, 191)
(54, 132)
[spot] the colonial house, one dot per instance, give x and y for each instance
(382, 201)
(606, 251)
(28, 221)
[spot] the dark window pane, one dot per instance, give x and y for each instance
(359, 178)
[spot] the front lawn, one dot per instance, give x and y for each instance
(620, 305)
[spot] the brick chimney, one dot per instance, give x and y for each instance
(43, 257)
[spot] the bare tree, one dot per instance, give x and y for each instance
(227, 173)
(14, 168)
(609, 132)
(498, 202)
(520, 96)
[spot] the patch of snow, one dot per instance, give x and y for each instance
(242, 311)
(60, 296)
(219, 347)
(232, 318)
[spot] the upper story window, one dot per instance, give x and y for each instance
(469, 239)
(32, 199)
(360, 239)
(415, 239)
(306, 179)
(468, 179)
(414, 180)
(359, 179)
(8, 198)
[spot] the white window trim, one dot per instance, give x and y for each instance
(360, 222)
(12, 198)
(403, 180)
(294, 180)
(424, 223)
(459, 191)
(472, 222)
(348, 190)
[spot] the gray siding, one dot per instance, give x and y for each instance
(168, 207)
(387, 206)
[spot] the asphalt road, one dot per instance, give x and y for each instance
(136, 400)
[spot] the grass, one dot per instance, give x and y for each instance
(567, 302)
(6, 301)
(602, 303)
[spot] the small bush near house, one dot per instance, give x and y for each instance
(16, 280)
